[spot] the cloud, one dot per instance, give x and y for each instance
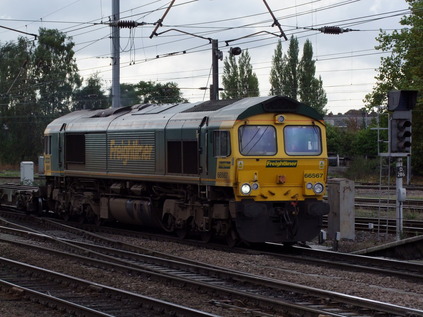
(346, 61)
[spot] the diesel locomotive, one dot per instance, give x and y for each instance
(251, 170)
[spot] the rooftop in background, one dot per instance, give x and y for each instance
(356, 118)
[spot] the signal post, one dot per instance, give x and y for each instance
(401, 103)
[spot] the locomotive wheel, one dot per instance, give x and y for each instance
(39, 207)
(66, 217)
(59, 209)
(206, 236)
(81, 218)
(90, 215)
(98, 221)
(168, 223)
(181, 233)
(232, 238)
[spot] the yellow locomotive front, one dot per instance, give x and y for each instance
(278, 173)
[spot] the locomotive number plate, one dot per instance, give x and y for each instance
(313, 175)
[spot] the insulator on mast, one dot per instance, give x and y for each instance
(333, 30)
(128, 24)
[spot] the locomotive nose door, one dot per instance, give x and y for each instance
(202, 138)
(61, 146)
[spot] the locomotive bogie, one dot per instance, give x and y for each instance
(23, 197)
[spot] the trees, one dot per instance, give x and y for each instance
(290, 76)
(311, 90)
(91, 96)
(284, 71)
(55, 72)
(352, 141)
(230, 78)
(151, 92)
(277, 71)
(248, 81)
(37, 82)
(403, 69)
(296, 79)
(18, 106)
(128, 95)
(238, 79)
(320, 100)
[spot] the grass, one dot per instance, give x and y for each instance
(10, 173)
(362, 170)
(390, 214)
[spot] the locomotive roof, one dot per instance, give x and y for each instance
(158, 116)
(243, 108)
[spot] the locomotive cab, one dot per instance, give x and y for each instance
(278, 168)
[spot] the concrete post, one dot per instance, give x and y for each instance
(341, 218)
(27, 173)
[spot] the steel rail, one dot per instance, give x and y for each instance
(272, 292)
(122, 250)
(83, 296)
(352, 262)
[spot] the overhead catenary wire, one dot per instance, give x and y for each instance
(343, 2)
(251, 45)
(176, 40)
(204, 75)
(319, 58)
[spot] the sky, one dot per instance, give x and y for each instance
(346, 62)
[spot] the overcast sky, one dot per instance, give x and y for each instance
(346, 62)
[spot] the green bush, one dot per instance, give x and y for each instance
(363, 170)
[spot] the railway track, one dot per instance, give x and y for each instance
(375, 186)
(82, 297)
(381, 266)
(386, 225)
(415, 205)
(413, 227)
(264, 292)
(351, 262)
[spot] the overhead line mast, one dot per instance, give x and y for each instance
(115, 55)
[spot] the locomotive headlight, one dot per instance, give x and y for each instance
(245, 189)
(318, 188)
(279, 119)
(254, 186)
(309, 186)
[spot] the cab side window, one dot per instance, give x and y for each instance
(47, 144)
(221, 144)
